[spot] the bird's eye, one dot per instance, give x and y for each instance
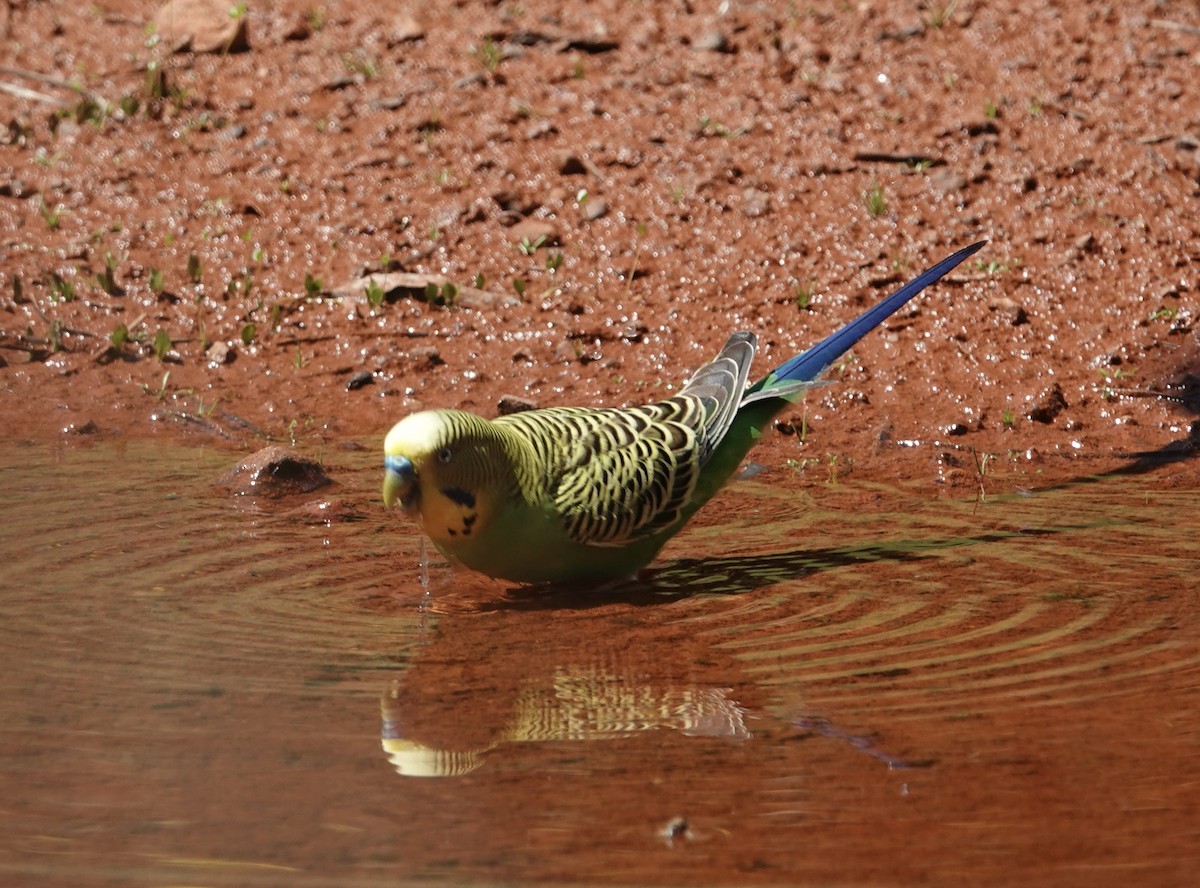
(444, 455)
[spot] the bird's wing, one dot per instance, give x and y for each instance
(615, 476)
(719, 385)
(618, 475)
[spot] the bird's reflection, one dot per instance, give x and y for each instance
(551, 664)
(578, 703)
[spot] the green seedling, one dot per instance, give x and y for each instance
(375, 294)
(161, 344)
(875, 201)
(359, 63)
(119, 336)
(529, 247)
(50, 216)
(940, 15)
(61, 289)
(107, 279)
(489, 54)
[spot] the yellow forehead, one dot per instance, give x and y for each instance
(420, 433)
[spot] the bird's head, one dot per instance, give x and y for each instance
(438, 465)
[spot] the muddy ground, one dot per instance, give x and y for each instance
(587, 197)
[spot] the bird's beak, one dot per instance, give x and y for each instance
(399, 482)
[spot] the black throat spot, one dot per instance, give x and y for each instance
(460, 496)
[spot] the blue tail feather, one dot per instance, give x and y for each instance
(810, 364)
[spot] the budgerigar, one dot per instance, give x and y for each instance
(582, 493)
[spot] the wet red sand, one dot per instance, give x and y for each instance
(693, 171)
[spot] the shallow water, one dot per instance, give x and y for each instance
(204, 689)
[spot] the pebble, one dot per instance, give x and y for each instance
(82, 427)
(531, 229)
(594, 208)
(947, 180)
(510, 404)
(201, 26)
(712, 41)
(1010, 309)
(275, 471)
(220, 353)
(571, 164)
(755, 202)
(1048, 405)
(404, 29)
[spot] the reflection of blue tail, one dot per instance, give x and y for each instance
(812, 363)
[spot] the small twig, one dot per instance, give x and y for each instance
(907, 159)
(1167, 25)
(48, 80)
(31, 95)
(1150, 393)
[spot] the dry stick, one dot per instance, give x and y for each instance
(49, 81)
(889, 157)
(1175, 26)
(31, 95)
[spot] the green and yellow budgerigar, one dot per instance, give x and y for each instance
(584, 493)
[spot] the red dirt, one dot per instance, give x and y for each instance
(734, 152)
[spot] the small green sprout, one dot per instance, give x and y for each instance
(50, 216)
(119, 336)
(61, 289)
(529, 247)
(940, 15)
(374, 293)
(490, 54)
(195, 271)
(875, 201)
(360, 63)
(107, 279)
(161, 344)
(249, 331)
